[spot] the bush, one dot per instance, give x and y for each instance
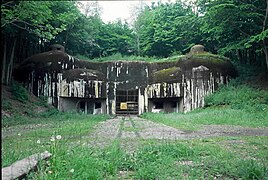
(19, 92)
(239, 97)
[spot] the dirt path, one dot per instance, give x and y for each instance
(131, 129)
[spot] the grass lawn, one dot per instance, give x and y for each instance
(209, 158)
(21, 141)
(220, 116)
(67, 137)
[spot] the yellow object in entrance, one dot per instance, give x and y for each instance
(123, 105)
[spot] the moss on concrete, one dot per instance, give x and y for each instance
(207, 56)
(215, 63)
(83, 74)
(58, 61)
(47, 61)
(172, 74)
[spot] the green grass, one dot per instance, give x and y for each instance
(191, 159)
(220, 116)
(19, 92)
(74, 158)
(231, 105)
(240, 97)
(195, 159)
(25, 140)
(50, 115)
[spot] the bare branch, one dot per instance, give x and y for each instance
(20, 26)
(39, 26)
(6, 3)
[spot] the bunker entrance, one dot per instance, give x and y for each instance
(84, 105)
(169, 105)
(127, 102)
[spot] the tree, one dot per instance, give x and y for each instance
(114, 38)
(166, 28)
(238, 26)
(30, 24)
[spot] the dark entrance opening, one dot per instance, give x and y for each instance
(127, 102)
(169, 104)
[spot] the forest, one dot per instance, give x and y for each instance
(225, 138)
(234, 28)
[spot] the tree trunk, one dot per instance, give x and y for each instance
(263, 28)
(4, 61)
(11, 63)
(239, 55)
(65, 41)
(266, 55)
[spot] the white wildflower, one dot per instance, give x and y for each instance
(58, 137)
(72, 171)
(38, 141)
(19, 134)
(52, 138)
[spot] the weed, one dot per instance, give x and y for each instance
(250, 169)
(230, 105)
(19, 92)
(239, 97)
(6, 105)
(194, 159)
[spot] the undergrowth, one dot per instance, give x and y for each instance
(21, 141)
(239, 97)
(19, 92)
(118, 56)
(234, 104)
(67, 136)
(187, 159)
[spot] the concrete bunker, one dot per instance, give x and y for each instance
(168, 105)
(125, 87)
(84, 105)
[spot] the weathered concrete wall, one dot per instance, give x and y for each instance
(68, 82)
(199, 83)
(85, 105)
(82, 89)
(67, 104)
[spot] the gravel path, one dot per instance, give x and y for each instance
(131, 129)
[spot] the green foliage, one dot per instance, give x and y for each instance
(242, 30)
(230, 105)
(221, 116)
(249, 169)
(50, 113)
(199, 159)
(42, 18)
(119, 56)
(240, 97)
(6, 105)
(19, 92)
(166, 28)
